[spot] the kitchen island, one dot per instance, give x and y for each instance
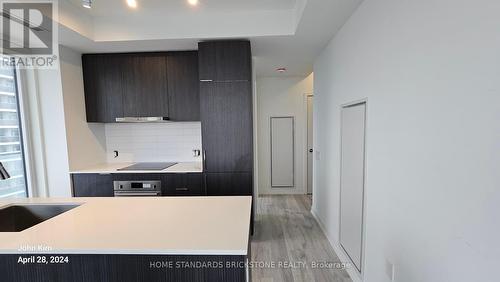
(131, 239)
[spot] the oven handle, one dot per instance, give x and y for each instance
(137, 194)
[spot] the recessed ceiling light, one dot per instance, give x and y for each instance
(281, 70)
(132, 3)
(87, 4)
(193, 2)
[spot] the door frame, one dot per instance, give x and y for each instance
(271, 152)
(306, 151)
(364, 101)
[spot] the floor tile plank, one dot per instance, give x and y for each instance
(286, 231)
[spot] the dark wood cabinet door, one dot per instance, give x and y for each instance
(233, 61)
(225, 60)
(103, 81)
(206, 59)
(184, 184)
(183, 86)
(145, 92)
(94, 104)
(228, 184)
(226, 115)
(92, 185)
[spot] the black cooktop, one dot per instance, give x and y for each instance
(148, 166)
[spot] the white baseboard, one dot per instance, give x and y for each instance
(353, 272)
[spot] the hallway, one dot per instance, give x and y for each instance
(286, 231)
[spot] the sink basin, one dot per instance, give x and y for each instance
(16, 218)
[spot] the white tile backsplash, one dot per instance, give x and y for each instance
(153, 142)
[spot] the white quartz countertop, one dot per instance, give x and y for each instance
(182, 167)
(137, 225)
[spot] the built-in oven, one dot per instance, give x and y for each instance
(139, 188)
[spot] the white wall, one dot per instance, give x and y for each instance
(86, 141)
(153, 142)
(282, 96)
(71, 16)
(58, 137)
(49, 123)
(430, 71)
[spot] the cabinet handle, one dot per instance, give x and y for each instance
(182, 189)
(204, 160)
(206, 80)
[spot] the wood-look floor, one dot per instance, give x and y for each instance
(286, 231)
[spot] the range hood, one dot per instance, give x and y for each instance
(142, 119)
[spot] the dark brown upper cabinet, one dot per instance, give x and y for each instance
(145, 92)
(183, 86)
(162, 84)
(103, 82)
(225, 60)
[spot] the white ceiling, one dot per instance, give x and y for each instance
(107, 7)
(284, 33)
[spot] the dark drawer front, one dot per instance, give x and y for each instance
(92, 185)
(183, 184)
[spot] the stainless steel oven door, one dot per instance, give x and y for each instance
(141, 188)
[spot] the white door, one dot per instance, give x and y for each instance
(309, 144)
(352, 181)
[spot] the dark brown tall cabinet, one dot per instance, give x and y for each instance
(226, 116)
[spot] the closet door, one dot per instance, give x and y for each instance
(352, 181)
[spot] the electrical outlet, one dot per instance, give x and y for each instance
(196, 152)
(390, 270)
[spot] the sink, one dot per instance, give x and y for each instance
(17, 217)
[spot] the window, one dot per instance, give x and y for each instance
(11, 140)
